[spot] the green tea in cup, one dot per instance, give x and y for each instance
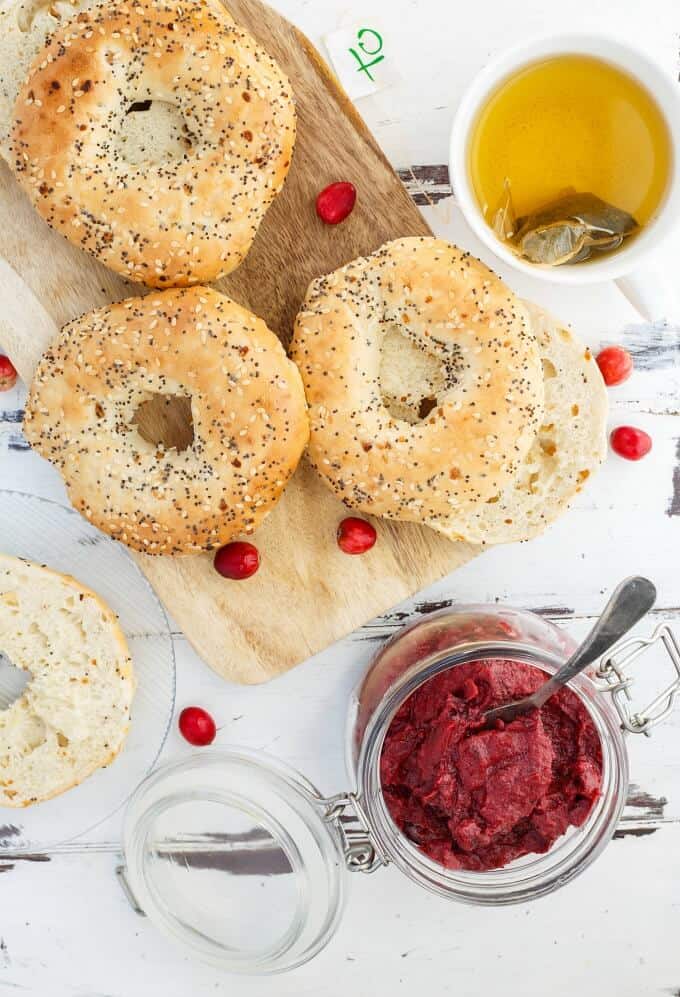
(568, 158)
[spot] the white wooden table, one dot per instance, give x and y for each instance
(65, 927)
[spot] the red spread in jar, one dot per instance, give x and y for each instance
(476, 798)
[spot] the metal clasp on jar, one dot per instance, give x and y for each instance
(613, 673)
(348, 817)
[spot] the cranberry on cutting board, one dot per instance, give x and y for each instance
(355, 536)
(237, 560)
(336, 202)
(8, 374)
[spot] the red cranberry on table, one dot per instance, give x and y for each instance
(616, 365)
(197, 726)
(355, 536)
(8, 374)
(630, 443)
(237, 560)
(336, 202)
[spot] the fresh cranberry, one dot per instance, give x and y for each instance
(8, 374)
(631, 443)
(336, 202)
(616, 365)
(355, 536)
(197, 726)
(237, 560)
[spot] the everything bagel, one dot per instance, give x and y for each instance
(166, 220)
(248, 415)
(423, 379)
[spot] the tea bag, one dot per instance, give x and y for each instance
(570, 229)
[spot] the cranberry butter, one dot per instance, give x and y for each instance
(477, 798)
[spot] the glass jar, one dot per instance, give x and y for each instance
(241, 860)
(447, 640)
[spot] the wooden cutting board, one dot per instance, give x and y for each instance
(307, 594)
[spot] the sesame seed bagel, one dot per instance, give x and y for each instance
(423, 379)
(165, 218)
(248, 416)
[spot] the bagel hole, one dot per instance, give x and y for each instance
(13, 681)
(165, 421)
(411, 380)
(153, 131)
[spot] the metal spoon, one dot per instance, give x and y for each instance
(630, 601)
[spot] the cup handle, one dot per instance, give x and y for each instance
(653, 291)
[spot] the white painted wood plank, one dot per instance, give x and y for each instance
(67, 932)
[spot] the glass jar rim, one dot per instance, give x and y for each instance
(526, 878)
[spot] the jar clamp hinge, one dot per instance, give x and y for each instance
(613, 671)
(346, 814)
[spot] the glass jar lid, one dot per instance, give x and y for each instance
(231, 854)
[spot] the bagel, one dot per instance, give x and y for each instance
(570, 446)
(185, 207)
(247, 409)
(423, 379)
(25, 26)
(73, 716)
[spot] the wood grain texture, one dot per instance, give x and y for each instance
(307, 594)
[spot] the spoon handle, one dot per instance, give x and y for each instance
(629, 602)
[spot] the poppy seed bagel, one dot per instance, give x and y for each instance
(163, 220)
(248, 416)
(423, 379)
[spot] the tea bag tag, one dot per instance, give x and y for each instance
(362, 58)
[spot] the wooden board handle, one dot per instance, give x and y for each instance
(26, 330)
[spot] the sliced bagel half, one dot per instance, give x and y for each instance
(569, 447)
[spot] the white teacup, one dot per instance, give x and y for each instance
(646, 288)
